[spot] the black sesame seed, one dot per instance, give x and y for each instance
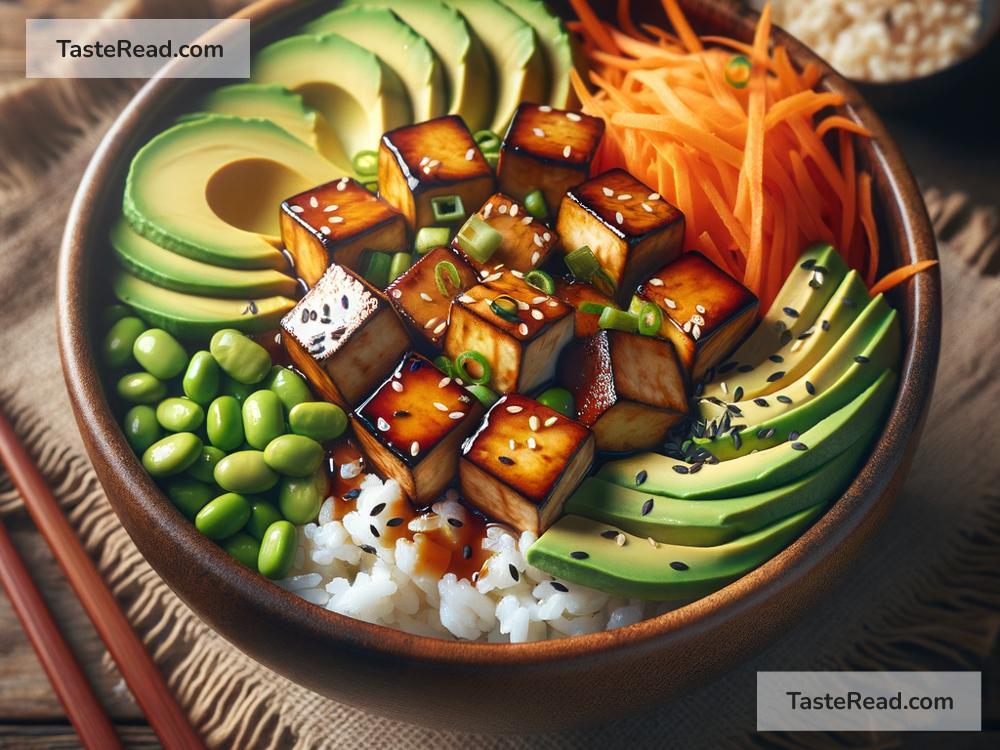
(861, 359)
(825, 325)
(696, 467)
(401, 413)
(734, 409)
(313, 315)
(784, 399)
(352, 494)
(374, 531)
(678, 565)
(800, 447)
(326, 310)
(392, 522)
(810, 388)
(305, 315)
(609, 533)
(506, 460)
(699, 389)
(785, 337)
(738, 394)
(724, 423)
(578, 555)
(791, 312)
(775, 376)
(762, 433)
(761, 402)
(368, 548)
(776, 358)
(808, 264)
(737, 440)
(744, 368)
(377, 509)
(345, 302)
(647, 507)
(723, 369)
(641, 477)
(681, 468)
(793, 435)
(456, 523)
(559, 587)
(805, 334)
(414, 365)
(466, 552)
(513, 572)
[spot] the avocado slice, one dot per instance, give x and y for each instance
(165, 268)
(587, 552)
(800, 301)
(282, 107)
(191, 316)
(358, 94)
(517, 57)
(764, 470)
(706, 523)
(555, 43)
(382, 32)
(466, 67)
(871, 345)
(207, 189)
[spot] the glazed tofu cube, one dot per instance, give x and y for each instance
(336, 223)
(630, 229)
(628, 389)
(412, 426)
(418, 299)
(344, 336)
(577, 293)
(432, 159)
(525, 242)
(706, 312)
(517, 329)
(523, 462)
(547, 149)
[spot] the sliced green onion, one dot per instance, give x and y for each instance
(534, 204)
(485, 396)
(365, 163)
(444, 365)
(464, 374)
(447, 208)
(446, 267)
(429, 238)
(477, 239)
(582, 263)
(400, 262)
(650, 318)
(505, 307)
(492, 158)
(635, 305)
(738, 71)
(593, 308)
(603, 282)
(487, 141)
(540, 280)
(377, 270)
(618, 320)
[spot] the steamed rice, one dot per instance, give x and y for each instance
(344, 566)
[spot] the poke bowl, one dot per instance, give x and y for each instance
(535, 411)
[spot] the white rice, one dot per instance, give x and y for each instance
(331, 570)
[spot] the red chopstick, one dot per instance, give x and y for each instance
(136, 665)
(67, 678)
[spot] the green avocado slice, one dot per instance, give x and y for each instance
(706, 523)
(382, 32)
(190, 316)
(871, 345)
(556, 46)
(207, 189)
(514, 49)
(764, 470)
(807, 290)
(586, 552)
(165, 268)
(358, 95)
(466, 66)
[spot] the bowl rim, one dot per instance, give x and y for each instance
(109, 451)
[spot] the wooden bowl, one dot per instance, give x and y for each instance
(473, 686)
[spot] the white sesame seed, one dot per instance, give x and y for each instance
(511, 444)
(699, 308)
(697, 320)
(325, 229)
(797, 345)
(456, 415)
(514, 409)
(624, 197)
(527, 220)
(434, 163)
(313, 202)
(498, 266)
(440, 327)
(533, 423)
(573, 116)
(545, 108)
(538, 315)
(687, 326)
(607, 191)
(523, 329)
(538, 300)
(342, 185)
(336, 219)
(652, 542)
(696, 332)
(297, 209)
(484, 273)
(620, 540)
(424, 160)
(655, 281)
(332, 207)
(443, 382)
(397, 386)
(414, 448)
(427, 170)
(487, 209)
(492, 277)
(439, 406)
(618, 217)
(537, 238)
(646, 207)
(458, 381)
(546, 236)
(535, 257)
(552, 303)
(432, 322)
(550, 421)
(466, 299)
(502, 208)
(396, 293)
(539, 133)
(469, 154)
(516, 274)
(532, 443)
(670, 303)
(426, 297)
(522, 305)
(513, 210)
(382, 424)
(723, 387)
(567, 151)
(653, 197)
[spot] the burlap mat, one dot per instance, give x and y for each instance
(925, 594)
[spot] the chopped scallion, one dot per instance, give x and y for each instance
(462, 371)
(429, 238)
(444, 365)
(441, 270)
(505, 306)
(540, 280)
(603, 282)
(650, 318)
(365, 163)
(477, 239)
(582, 263)
(593, 308)
(377, 270)
(400, 262)
(485, 396)
(618, 320)
(447, 209)
(487, 140)
(534, 204)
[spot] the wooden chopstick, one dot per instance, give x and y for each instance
(82, 707)
(136, 665)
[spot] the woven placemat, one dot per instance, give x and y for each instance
(924, 594)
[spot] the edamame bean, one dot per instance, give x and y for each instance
(172, 454)
(239, 391)
(201, 379)
(243, 548)
(262, 515)
(245, 472)
(160, 354)
(263, 418)
(277, 550)
(290, 387)
(223, 516)
(299, 498)
(240, 357)
(141, 427)
(141, 388)
(113, 313)
(189, 495)
(117, 347)
(294, 455)
(318, 420)
(204, 467)
(224, 423)
(178, 414)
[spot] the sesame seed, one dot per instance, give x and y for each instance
(567, 151)
(538, 300)
(533, 423)
(513, 572)
(696, 332)
(434, 163)
(511, 444)
(466, 299)
(325, 229)
(443, 382)
(392, 522)
(514, 272)
(607, 191)
(342, 185)
(624, 197)
(513, 210)
(699, 308)
(397, 386)
(332, 207)
(652, 542)
(469, 154)
(640, 478)
(502, 208)
(532, 443)
(791, 312)
(427, 170)
(537, 315)
(678, 565)
(456, 415)
(620, 539)
(514, 409)
(775, 376)
(424, 160)
(313, 202)
(653, 197)
(439, 406)
(506, 460)
(680, 468)
(544, 108)
(546, 236)
(552, 303)
(396, 293)
(861, 359)
(647, 507)
(486, 210)
(414, 448)
(550, 421)
(535, 257)
(466, 551)
(367, 548)
(538, 132)
(527, 219)
(646, 207)
(336, 219)
(618, 217)
(609, 533)
(800, 447)
(382, 424)
(439, 328)
(297, 209)
(426, 297)
(431, 322)
(810, 388)
(578, 555)
(573, 116)
(492, 278)
(537, 239)
(523, 329)
(655, 282)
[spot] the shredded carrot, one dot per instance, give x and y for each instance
(837, 121)
(901, 274)
(868, 222)
(623, 14)
(849, 198)
(593, 27)
(681, 26)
